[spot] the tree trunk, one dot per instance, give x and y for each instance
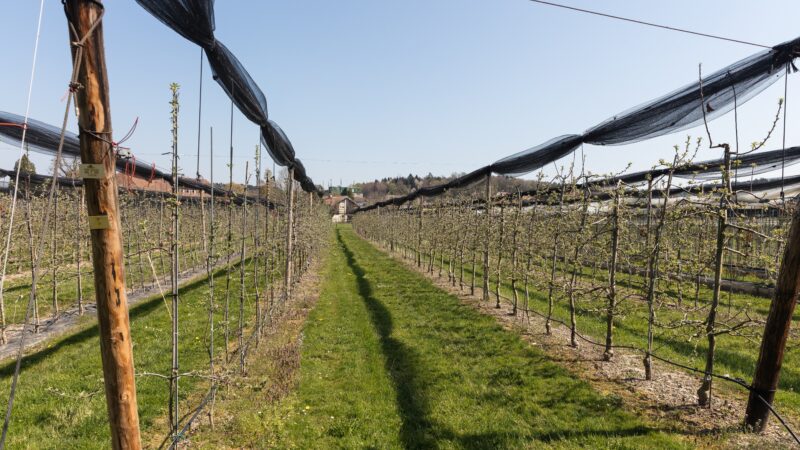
(652, 271)
(704, 392)
(612, 277)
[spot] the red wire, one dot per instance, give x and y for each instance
(9, 124)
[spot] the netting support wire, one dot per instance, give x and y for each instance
(199, 114)
(24, 127)
(651, 24)
(785, 107)
(210, 270)
(11, 225)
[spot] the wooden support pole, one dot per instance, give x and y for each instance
(776, 332)
(101, 201)
(287, 276)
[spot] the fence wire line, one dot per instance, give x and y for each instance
(24, 127)
(650, 24)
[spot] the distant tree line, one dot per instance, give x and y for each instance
(384, 188)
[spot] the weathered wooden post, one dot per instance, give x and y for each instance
(776, 332)
(101, 203)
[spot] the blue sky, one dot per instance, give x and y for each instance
(370, 89)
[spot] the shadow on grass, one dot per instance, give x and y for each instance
(91, 332)
(411, 400)
(736, 358)
(557, 400)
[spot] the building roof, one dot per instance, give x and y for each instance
(334, 200)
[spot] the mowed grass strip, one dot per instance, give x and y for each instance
(391, 361)
(735, 355)
(60, 400)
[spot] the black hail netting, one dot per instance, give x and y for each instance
(714, 96)
(40, 138)
(36, 179)
(684, 108)
(756, 190)
(33, 179)
(746, 192)
(745, 166)
(194, 20)
(536, 157)
(44, 138)
(432, 191)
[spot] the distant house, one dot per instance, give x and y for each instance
(342, 207)
(132, 182)
(125, 181)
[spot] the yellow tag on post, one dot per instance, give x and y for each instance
(93, 171)
(99, 223)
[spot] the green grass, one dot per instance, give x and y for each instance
(138, 275)
(60, 401)
(391, 361)
(735, 355)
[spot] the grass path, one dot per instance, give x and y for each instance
(735, 356)
(390, 361)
